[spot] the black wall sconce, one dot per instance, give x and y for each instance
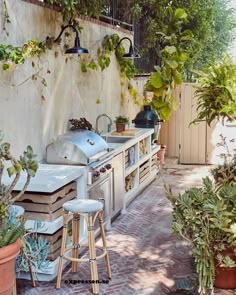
(131, 53)
(77, 49)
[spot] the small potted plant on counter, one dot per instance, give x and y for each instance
(121, 121)
(206, 217)
(11, 232)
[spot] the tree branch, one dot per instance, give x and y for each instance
(22, 191)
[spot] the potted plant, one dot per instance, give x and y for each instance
(216, 92)
(120, 123)
(206, 217)
(11, 232)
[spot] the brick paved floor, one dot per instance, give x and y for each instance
(145, 257)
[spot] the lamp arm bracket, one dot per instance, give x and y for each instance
(63, 28)
(124, 38)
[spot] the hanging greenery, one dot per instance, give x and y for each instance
(103, 59)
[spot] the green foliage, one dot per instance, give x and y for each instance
(17, 55)
(121, 119)
(172, 55)
(73, 8)
(218, 37)
(217, 92)
(212, 23)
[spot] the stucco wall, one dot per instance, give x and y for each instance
(26, 118)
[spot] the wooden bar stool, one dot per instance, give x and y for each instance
(90, 209)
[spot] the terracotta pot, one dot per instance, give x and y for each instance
(225, 277)
(7, 266)
(161, 154)
(120, 127)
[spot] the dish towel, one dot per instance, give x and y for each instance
(131, 156)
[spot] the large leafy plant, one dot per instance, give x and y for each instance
(174, 46)
(216, 93)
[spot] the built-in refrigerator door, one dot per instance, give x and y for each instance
(102, 190)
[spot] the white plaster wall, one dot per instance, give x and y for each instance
(27, 119)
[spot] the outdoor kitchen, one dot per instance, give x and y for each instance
(85, 165)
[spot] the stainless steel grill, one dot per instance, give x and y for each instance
(77, 148)
(84, 147)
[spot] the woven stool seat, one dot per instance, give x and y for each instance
(82, 206)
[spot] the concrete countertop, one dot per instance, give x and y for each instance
(49, 177)
(127, 140)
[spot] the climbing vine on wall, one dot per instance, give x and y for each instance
(10, 54)
(6, 18)
(102, 61)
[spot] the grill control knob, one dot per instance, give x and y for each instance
(96, 173)
(102, 170)
(108, 166)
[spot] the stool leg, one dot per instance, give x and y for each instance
(75, 251)
(14, 292)
(31, 275)
(102, 231)
(92, 254)
(63, 246)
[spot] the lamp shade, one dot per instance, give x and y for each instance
(76, 50)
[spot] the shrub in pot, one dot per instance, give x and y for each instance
(11, 232)
(206, 217)
(121, 121)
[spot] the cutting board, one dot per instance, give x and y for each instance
(127, 132)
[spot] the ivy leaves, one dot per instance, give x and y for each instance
(103, 58)
(11, 54)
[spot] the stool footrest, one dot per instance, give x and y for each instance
(84, 259)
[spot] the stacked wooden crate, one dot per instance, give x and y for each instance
(154, 162)
(143, 171)
(130, 181)
(47, 207)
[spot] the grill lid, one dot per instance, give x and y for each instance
(81, 146)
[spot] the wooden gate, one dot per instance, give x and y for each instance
(193, 138)
(193, 144)
(186, 142)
